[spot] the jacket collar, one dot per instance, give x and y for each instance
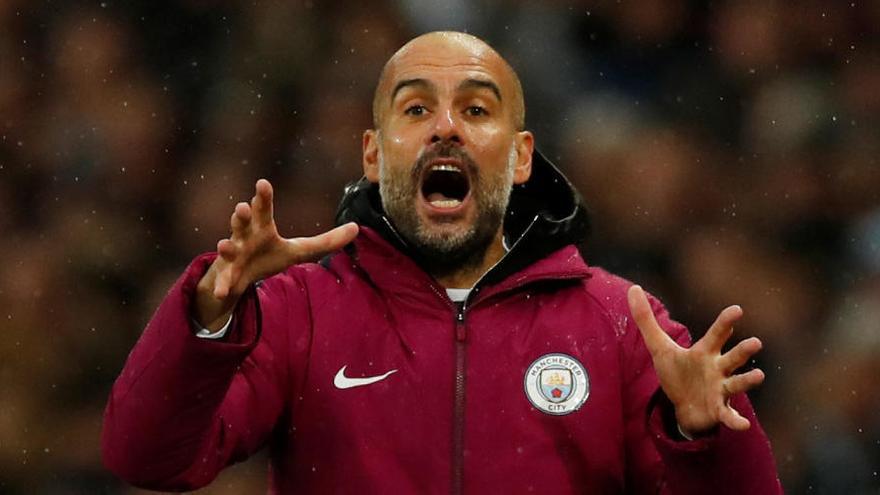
(396, 273)
(544, 215)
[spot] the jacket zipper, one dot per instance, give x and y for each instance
(458, 408)
(460, 363)
(460, 374)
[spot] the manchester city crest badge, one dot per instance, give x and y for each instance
(557, 384)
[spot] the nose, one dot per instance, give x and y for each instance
(446, 128)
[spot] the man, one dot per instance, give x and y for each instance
(452, 340)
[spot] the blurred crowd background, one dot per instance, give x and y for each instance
(728, 151)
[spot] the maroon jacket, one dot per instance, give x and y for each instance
(456, 415)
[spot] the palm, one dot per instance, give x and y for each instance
(700, 380)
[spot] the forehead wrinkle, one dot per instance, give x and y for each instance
(475, 75)
(448, 50)
(468, 84)
(475, 66)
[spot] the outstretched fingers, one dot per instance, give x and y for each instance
(240, 220)
(255, 250)
(722, 328)
(226, 249)
(739, 355)
(657, 340)
(743, 382)
(305, 249)
(733, 385)
(732, 419)
(262, 202)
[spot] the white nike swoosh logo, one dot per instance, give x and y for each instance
(342, 382)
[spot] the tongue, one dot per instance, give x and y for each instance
(439, 200)
(437, 196)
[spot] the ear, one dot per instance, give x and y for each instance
(371, 155)
(525, 145)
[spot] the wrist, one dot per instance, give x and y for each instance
(209, 311)
(687, 430)
(680, 421)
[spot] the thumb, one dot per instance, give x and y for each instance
(307, 249)
(656, 340)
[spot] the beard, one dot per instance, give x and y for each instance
(446, 248)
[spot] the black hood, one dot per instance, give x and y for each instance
(544, 214)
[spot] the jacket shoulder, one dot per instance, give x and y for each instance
(608, 290)
(309, 277)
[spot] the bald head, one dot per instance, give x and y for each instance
(451, 49)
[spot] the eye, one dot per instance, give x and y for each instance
(416, 110)
(476, 111)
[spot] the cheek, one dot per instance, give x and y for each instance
(493, 151)
(486, 137)
(400, 149)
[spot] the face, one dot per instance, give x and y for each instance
(448, 150)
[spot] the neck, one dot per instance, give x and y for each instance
(467, 276)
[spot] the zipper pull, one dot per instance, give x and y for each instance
(460, 329)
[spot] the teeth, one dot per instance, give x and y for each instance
(445, 203)
(445, 168)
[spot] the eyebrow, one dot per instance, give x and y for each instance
(480, 84)
(465, 85)
(422, 83)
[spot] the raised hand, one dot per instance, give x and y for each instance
(699, 380)
(254, 251)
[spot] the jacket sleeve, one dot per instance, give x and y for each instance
(722, 462)
(184, 407)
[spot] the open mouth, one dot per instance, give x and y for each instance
(445, 185)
